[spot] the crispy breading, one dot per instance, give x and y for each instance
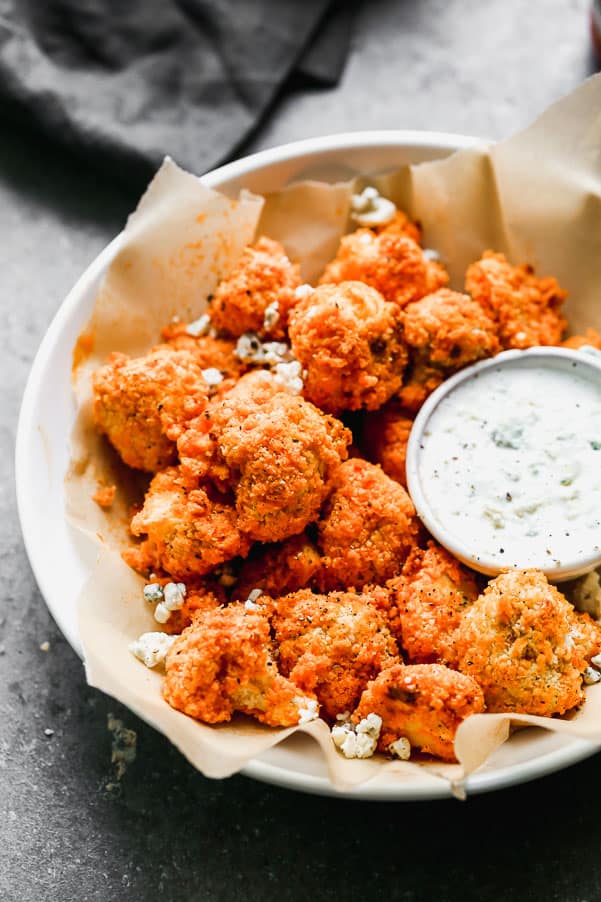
(448, 330)
(224, 662)
(189, 528)
(279, 568)
(524, 644)
(262, 277)
(367, 528)
(349, 342)
(421, 380)
(385, 434)
(331, 645)
(276, 451)
(524, 307)
(210, 351)
(427, 601)
(390, 262)
(141, 404)
(204, 595)
(424, 703)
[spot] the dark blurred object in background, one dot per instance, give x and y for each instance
(596, 28)
(128, 82)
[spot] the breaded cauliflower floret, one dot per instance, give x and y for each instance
(524, 307)
(224, 662)
(258, 294)
(448, 330)
(143, 403)
(391, 262)
(331, 645)
(427, 601)
(349, 342)
(275, 451)
(210, 352)
(424, 703)
(367, 528)
(280, 568)
(188, 529)
(385, 436)
(524, 644)
(591, 338)
(421, 380)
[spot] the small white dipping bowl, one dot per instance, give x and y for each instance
(484, 486)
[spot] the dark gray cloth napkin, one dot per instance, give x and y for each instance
(128, 81)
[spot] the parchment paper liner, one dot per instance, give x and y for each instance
(536, 197)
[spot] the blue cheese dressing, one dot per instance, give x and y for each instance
(509, 464)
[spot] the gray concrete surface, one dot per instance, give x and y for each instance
(67, 832)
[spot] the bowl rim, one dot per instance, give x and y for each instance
(258, 769)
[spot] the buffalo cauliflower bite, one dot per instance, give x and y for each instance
(426, 602)
(280, 568)
(349, 341)
(448, 330)
(385, 435)
(525, 645)
(223, 663)
(391, 262)
(203, 596)
(189, 529)
(424, 703)
(276, 451)
(142, 404)
(367, 528)
(524, 307)
(331, 645)
(258, 294)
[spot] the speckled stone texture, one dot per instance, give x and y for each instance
(67, 832)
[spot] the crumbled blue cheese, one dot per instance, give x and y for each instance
(250, 349)
(431, 254)
(289, 376)
(212, 376)
(371, 209)
(152, 648)
(343, 716)
(308, 709)
(200, 326)
(153, 593)
(173, 599)
(591, 676)
(358, 741)
(400, 748)
(303, 291)
(250, 603)
(271, 315)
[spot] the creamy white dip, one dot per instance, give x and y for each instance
(510, 465)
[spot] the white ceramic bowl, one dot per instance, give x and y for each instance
(61, 560)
